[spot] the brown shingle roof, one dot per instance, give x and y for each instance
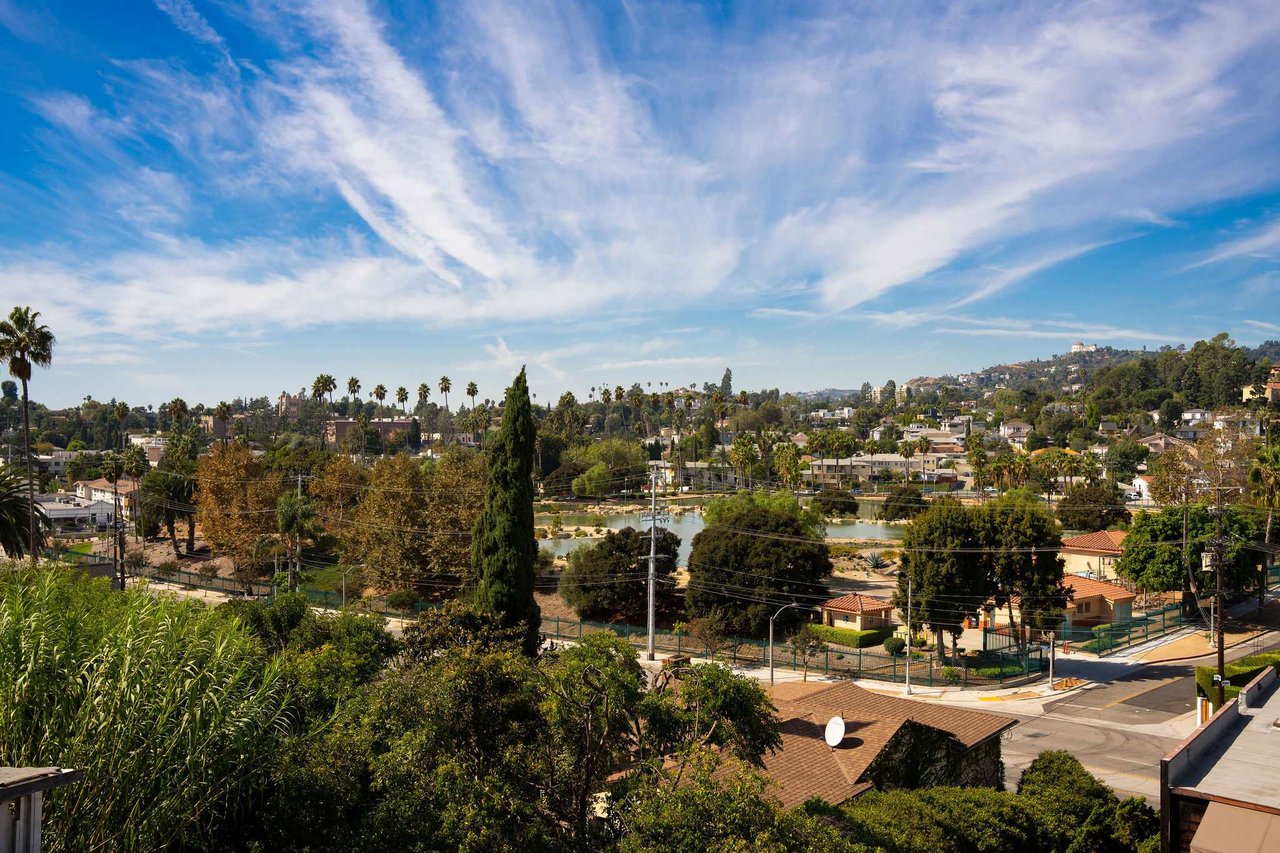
(856, 603)
(849, 700)
(1102, 542)
(804, 766)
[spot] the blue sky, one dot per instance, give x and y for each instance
(214, 199)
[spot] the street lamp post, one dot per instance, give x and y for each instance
(349, 569)
(771, 618)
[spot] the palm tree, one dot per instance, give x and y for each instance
(380, 394)
(121, 411)
(178, 410)
(353, 389)
(112, 471)
(13, 513)
(978, 460)
(25, 342)
(473, 391)
(1092, 465)
(222, 413)
(296, 520)
(318, 387)
(445, 387)
(136, 465)
(907, 449)
(402, 397)
(923, 446)
(424, 393)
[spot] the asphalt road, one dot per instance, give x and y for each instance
(1120, 729)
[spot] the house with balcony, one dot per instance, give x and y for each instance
(1093, 555)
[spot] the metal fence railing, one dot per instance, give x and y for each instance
(927, 668)
(1099, 639)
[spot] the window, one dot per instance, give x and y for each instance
(1084, 607)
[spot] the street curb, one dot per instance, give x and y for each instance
(1264, 635)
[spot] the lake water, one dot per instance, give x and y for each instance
(687, 525)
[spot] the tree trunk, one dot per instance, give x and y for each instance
(191, 534)
(171, 523)
(1013, 628)
(1266, 563)
(31, 487)
(1189, 594)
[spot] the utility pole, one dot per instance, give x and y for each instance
(1217, 565)
(910, 587)
(297, 562)
(653, 560)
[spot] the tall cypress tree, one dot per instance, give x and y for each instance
(503, 548)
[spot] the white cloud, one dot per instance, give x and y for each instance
(1057, 330)
(1264, 242)
(186, 18)
(672, 361)
(524, 167)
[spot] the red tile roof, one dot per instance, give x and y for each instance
(1102, 542)
(856, 603)
(1088, 588)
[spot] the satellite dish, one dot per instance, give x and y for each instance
(835, 731)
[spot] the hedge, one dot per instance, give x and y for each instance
(851, 638)
(998, 671)
(1239, 673)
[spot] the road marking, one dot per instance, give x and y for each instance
(1144, 691)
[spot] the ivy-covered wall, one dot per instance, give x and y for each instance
(920, 756)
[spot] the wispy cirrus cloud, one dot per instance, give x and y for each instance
(513, 163)
(1055, 330)
(1263, 242)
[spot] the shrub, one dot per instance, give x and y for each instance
(950, 673)
(1006, 671)
(876, 560)
(1239, 673)
(167, 568)
(895, 645)
(835, 503)
(402, 599)
(158, 701)
(902, 502)
(842, 551)
(849, 637)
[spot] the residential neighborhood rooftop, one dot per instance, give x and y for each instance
(1100, 542)
(1088, 587)
(856, 603)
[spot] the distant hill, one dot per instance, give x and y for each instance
(1268, 349)
(827, 393)
(1059, 370)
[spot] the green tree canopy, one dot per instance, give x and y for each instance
(607, 579)
(504, 552)
(722, 510)
(1092, 507)
(902, 502)
(751, 563)
(1153, 550)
